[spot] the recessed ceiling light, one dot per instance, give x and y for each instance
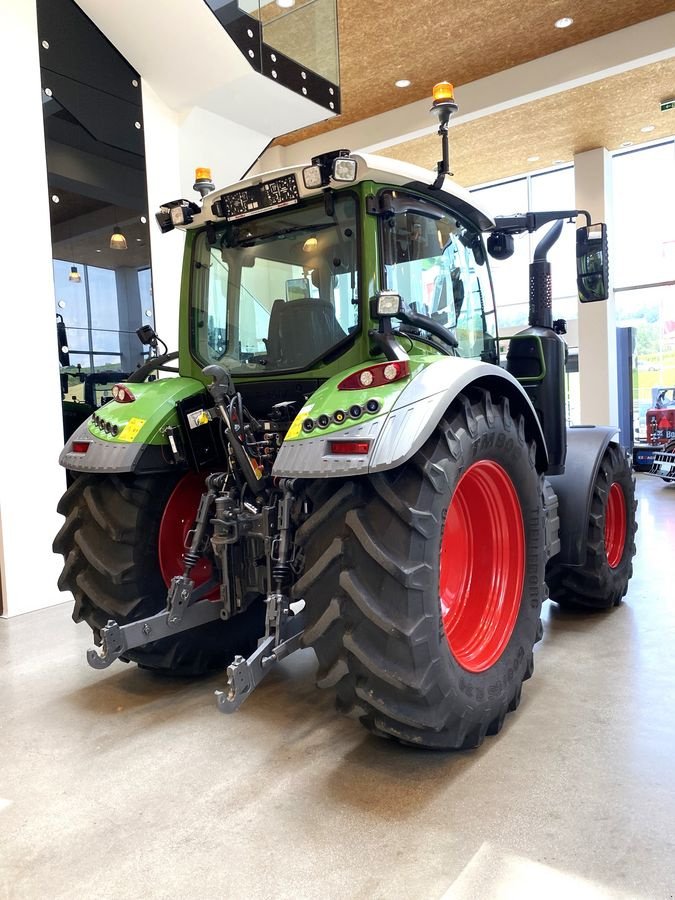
(285, 4)
(558, 162)
(98, 251)
(139, 240)
(533, 159)
(626, 144)
(143, 219)
(55, 198)
(647, 128)
(403, 82)
(565, 22)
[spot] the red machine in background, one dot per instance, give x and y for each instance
(661, 419)
(661, 435)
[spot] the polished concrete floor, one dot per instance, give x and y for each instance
(118, 784)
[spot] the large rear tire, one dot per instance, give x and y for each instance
(110, 544)
(423, 585)
(602, 581)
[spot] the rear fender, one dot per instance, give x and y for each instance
(398, 434)
(139, 444)
(586, 445)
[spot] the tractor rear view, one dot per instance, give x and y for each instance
(342, 463)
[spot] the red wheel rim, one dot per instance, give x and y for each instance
(482, 566)
(177, 520)
(615, 525)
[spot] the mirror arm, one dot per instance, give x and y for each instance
(388, 344)
(427, 324)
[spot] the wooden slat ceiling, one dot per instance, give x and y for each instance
(605, 113)
(431, 40)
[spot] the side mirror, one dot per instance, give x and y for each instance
(592, 264)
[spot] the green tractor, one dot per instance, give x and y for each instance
(342, 463)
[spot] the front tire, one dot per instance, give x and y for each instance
(602, 581)
(110, 542)
(423, 584)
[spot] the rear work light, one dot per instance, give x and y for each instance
(375, 376)
(350, 448)
(80, 446)
(122, 394)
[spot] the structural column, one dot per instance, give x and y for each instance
(597, 330)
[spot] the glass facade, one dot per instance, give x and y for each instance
(643, 242)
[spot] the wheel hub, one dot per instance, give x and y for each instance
(177, 521)
(482, 566)
(615, 525)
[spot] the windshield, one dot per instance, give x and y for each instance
(279, 292)
(437, 264)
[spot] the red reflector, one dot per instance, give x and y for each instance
(375, 376)
(80, 446)
(122, 394)
(350, 448)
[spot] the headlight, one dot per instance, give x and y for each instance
(312, 177)
(344, 169)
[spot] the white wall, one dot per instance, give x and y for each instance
(31, 480)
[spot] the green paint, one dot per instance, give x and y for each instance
(155, 406)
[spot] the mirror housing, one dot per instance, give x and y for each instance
(500, 245)
(592, 263)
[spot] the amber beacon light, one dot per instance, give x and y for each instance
(203, 181)
(443, 92)
(444, 106)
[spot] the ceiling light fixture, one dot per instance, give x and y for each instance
(565, 22)
(117, 239)
(558, 162)
(646, 129)
(55, 198)
(285, 4)
(74, 276)
(626, 144)
(403, 83)
(310, 245)
(533, 159)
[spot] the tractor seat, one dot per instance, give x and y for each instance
(300, 330)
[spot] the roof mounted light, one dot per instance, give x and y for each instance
(312, 177)
(175, 213)
(203, 182)
(337, 165)
(344, 169)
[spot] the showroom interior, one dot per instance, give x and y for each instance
(131, 782)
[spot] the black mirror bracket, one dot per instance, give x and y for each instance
(443, 109)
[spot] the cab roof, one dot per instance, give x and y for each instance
(378, 169)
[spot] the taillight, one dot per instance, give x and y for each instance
(350, 448)
(375, 376)
(122, 394)
(80, 446)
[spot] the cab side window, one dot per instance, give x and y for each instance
(428, 260)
